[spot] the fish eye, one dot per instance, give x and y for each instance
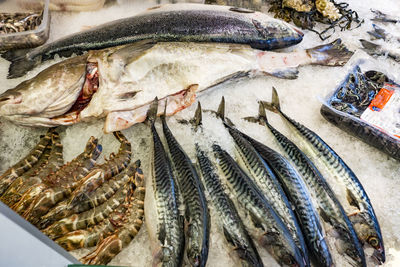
(373, 241)
(288, 260)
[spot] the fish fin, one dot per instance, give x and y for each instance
(351, 199)
(288, 73)
(274, 105)
(378, 33)
(241, 10)
(323, 215)
(164, 114)
(196, 121)
(332, 54)
(252, 119)
(370, 47)
(221, 109)
(152, 112)
(133, 51)
(20, 63)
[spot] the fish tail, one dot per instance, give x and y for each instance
(152, 112)
(20, 63)
(332, 54)
(164, 114)
(370, 47)
(274, 105)
(221, 109)
(197, 119)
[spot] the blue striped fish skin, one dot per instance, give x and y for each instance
(170, 228)
(234, 230)
(276, 239)
(298, 195)
(197, 215)
(324, 196)
(269, 185)
(364, 221)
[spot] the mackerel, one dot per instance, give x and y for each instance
(162, 205)
(197, 215)
(233, 228)
(276, 238)
(329, 206)
(300, 198)
(264, 177)
(364, 220)
(178, 22)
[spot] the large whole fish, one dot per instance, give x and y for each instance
(120, 82)
(180, 22)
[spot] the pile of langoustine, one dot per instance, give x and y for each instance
(291, 206)
(81, 203)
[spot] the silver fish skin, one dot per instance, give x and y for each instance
(234, 230)
(202, 23)
(120, 83)
(299, 196)
(197, 215)
(277, 238)
(164, 221)
(364, 221)
(268, 183)
(329, 206)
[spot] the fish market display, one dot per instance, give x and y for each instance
(197, 217)
(296, 191)
(276, 237)
(265, 178)
(328, 206)
(120, 82)
(363, 218)
(164, 220)
(25, 164)
(203, 23)
(352, 106)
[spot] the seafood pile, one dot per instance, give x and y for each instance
(19, 22)
(81, 203)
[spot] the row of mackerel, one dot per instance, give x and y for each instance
(364, 220)
(234, 230)
(329, 207)
(297, 193)
(257, 168)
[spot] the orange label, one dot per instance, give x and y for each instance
(381, 99)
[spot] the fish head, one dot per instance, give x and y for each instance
(369, 232)
(276, 34)
(49, 94)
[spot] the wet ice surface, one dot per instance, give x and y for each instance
(300, 99)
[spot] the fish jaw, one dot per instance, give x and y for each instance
(50, 93)
(120, 120)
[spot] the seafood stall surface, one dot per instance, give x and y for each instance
(378, 173)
